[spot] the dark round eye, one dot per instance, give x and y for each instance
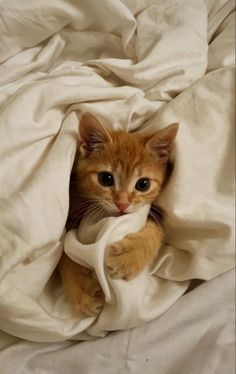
(143, 184)
(106, 179)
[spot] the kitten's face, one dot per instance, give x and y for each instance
(119, 172)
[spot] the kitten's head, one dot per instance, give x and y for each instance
(118, 171)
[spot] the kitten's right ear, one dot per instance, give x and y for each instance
(92, 134)
(161, 144)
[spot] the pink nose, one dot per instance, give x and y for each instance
(122, 206)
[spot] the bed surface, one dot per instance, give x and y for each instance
(195, 335)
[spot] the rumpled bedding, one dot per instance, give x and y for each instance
(196, 334)
(139, 66)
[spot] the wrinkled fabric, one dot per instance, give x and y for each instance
(196, 334)
(138, 66)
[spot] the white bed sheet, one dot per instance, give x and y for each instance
(196, 335)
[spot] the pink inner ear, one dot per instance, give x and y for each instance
(92, 133)
(162, 143)
(83, 148)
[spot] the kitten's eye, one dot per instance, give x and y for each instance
(143, 184)
(106, 179)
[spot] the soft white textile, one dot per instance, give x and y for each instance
(137, 65)
(196, 334)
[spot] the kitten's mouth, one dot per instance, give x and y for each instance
(118, 214)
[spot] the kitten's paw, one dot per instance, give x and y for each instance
(90, 299)
(122, 261)
(90, 306)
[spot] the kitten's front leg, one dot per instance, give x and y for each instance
(128, 257)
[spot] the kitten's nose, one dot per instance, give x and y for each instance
(122, 206)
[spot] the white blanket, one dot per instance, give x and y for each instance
(196, 335)
(138, 65)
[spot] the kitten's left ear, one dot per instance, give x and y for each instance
(92, 134)
(162, 142)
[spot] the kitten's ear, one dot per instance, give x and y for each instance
(92, 134)
(162, 142)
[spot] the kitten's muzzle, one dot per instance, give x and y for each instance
(122, 206)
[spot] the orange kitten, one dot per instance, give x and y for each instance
(116, 173)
